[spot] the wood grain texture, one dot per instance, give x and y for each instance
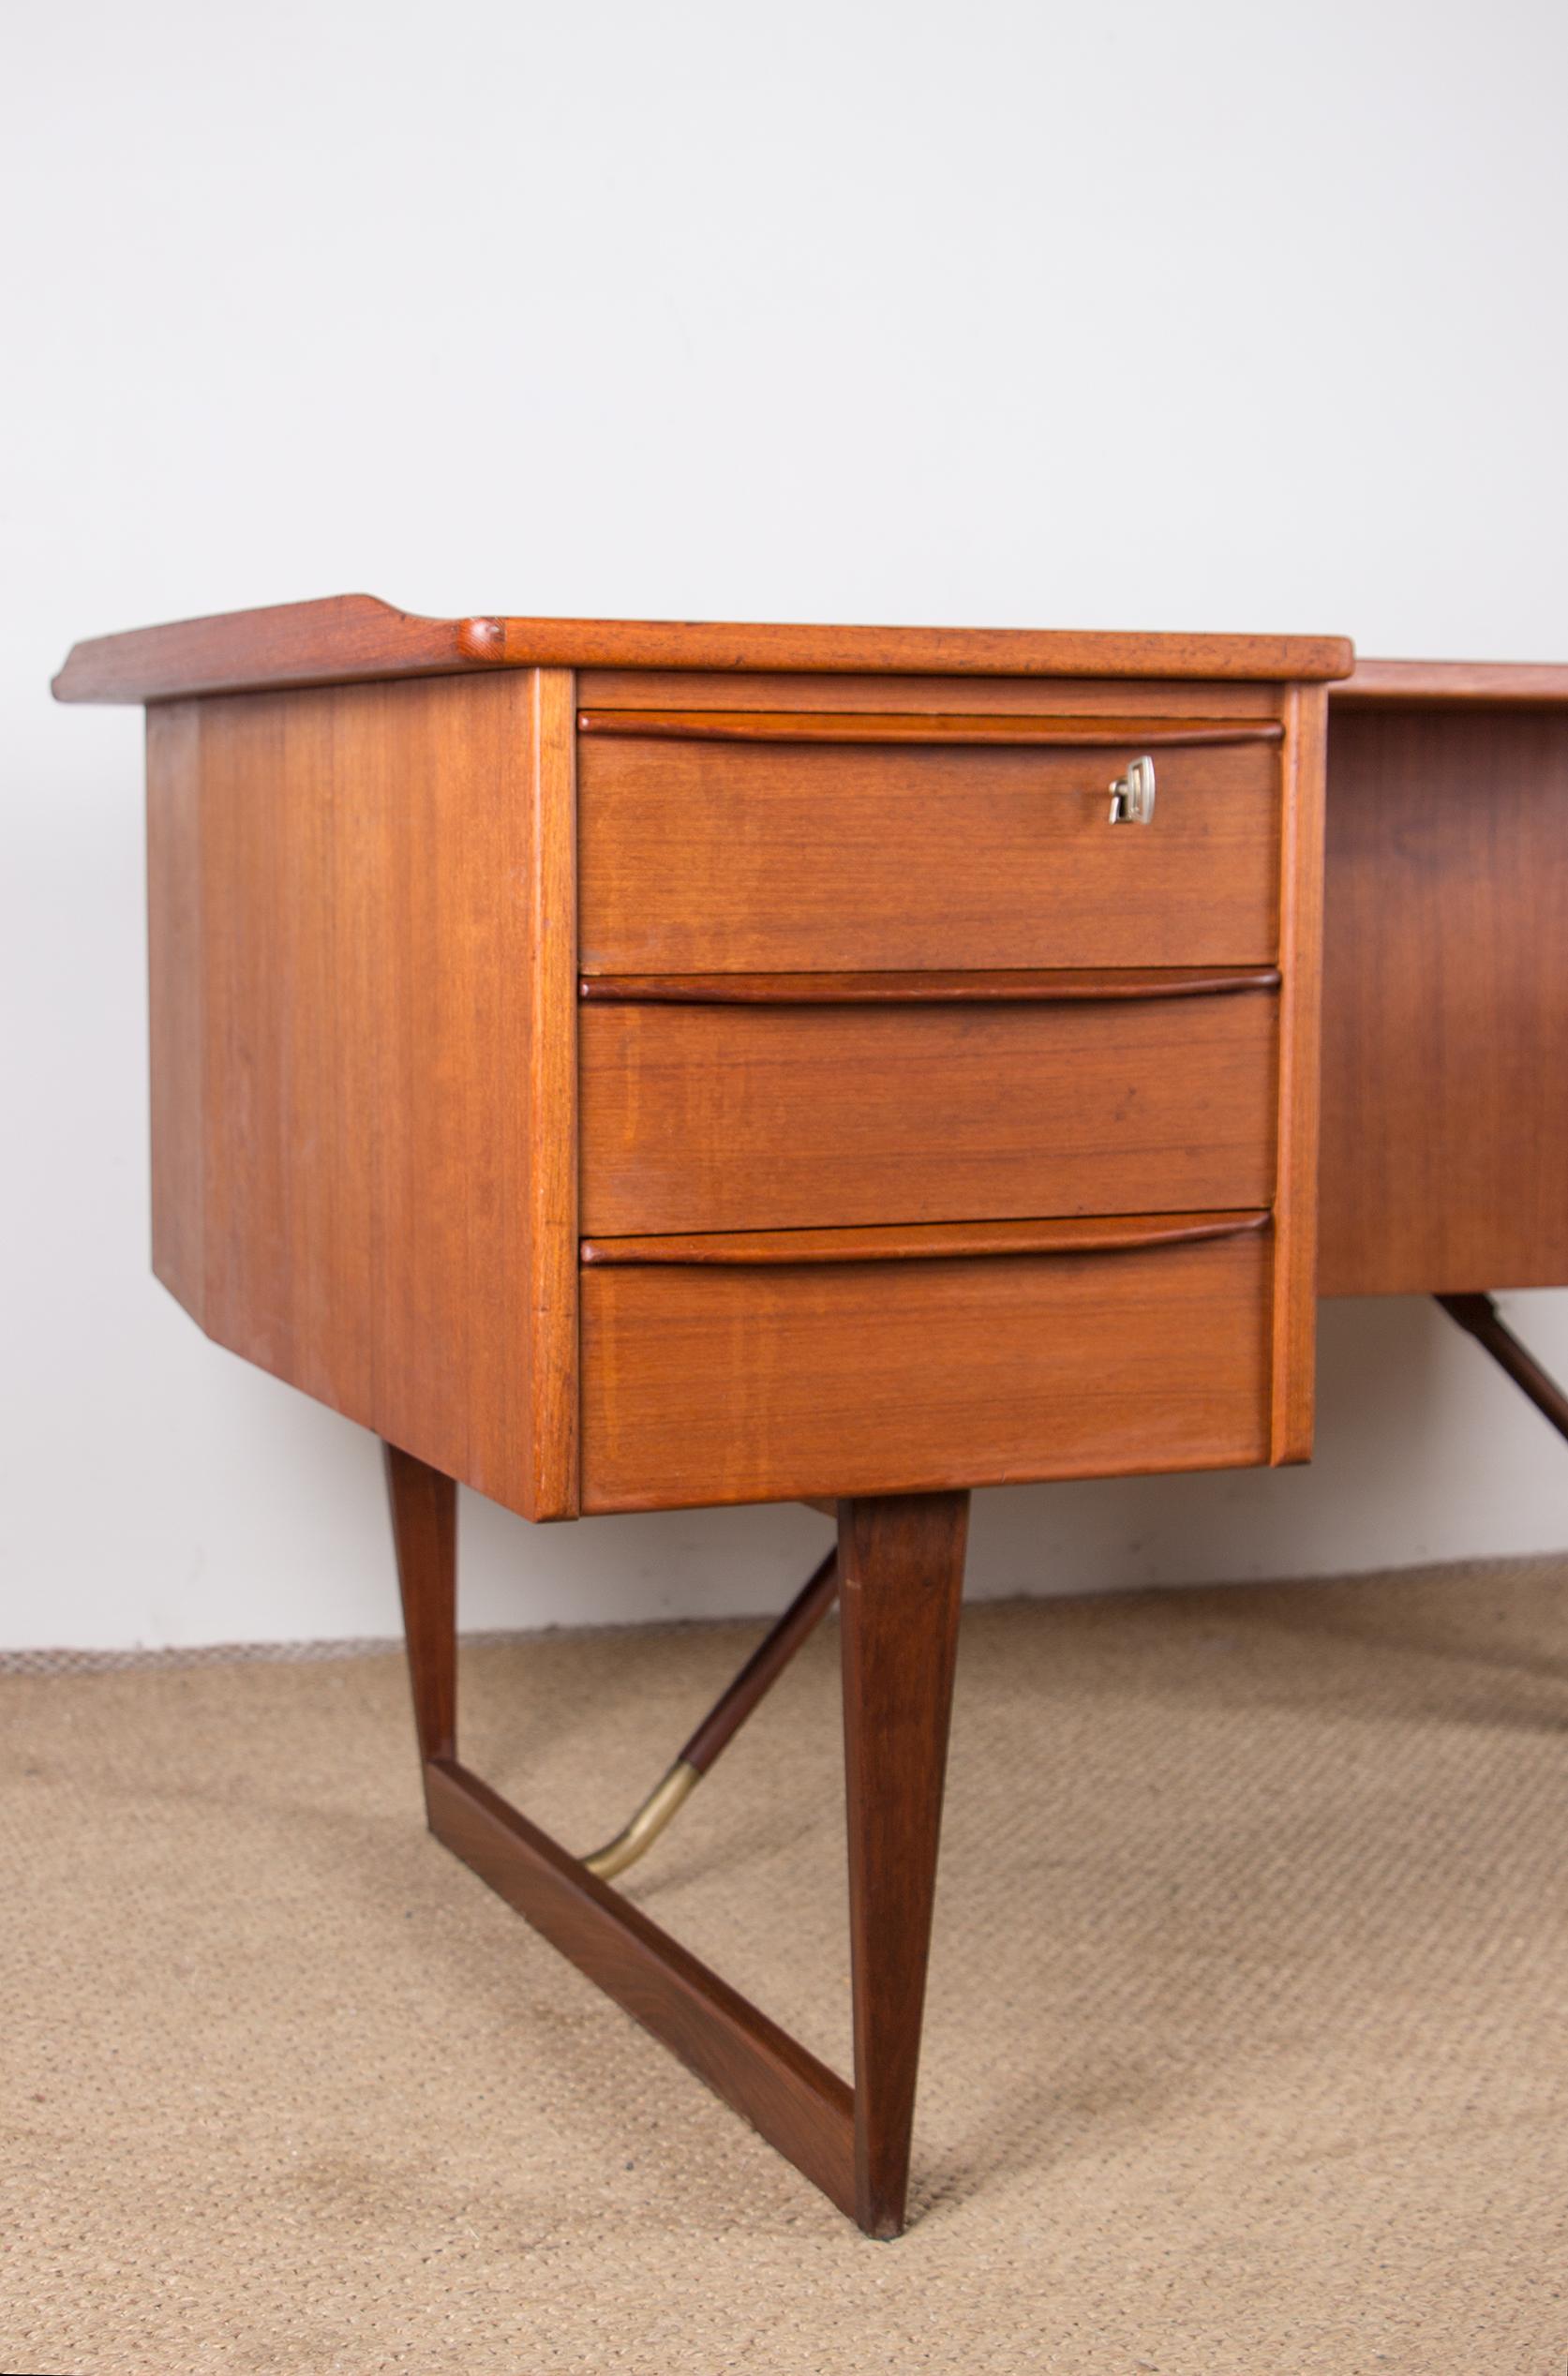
(757, 1385)
(762, 1117)
(1301, 902)
(720, 858)
(849, 726)
(336, 640)
(801, 2106)
(1470, 683)
(751, 1249)
(900, 1566)
(1050, 985)
(1445, 1001)
(945, 650)
(354, 637)
(892, 693)
(384, 965)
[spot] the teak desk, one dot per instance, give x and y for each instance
(630, 1066)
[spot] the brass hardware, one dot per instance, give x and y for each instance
(721, 1723)
(1132, 796)
(660, 1805)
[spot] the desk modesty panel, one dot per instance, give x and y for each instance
(491, 960)
(1445, 992)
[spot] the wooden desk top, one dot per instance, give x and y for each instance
(1397, 684)
(354, 638)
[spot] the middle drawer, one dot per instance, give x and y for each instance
(1075, 1100)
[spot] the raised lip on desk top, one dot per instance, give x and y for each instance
(355, 638)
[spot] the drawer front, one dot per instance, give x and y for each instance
(721, 855)
(735, 1383)
(763, 1116)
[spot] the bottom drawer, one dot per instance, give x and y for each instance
(721, 1381)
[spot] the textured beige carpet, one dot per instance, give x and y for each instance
(1248, 2047)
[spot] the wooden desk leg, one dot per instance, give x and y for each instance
(901, 1562)
(901, 1578)
(425, 1534)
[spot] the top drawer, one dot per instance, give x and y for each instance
(748, 842)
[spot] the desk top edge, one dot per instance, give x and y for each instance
(350, 638)
(1416, 683)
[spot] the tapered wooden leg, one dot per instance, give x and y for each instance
(900, 1579)
(425, 1532)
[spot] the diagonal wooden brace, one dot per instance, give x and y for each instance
(1479, 1315)
(724, 1720)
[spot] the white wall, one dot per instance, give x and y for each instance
(1208, 316)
